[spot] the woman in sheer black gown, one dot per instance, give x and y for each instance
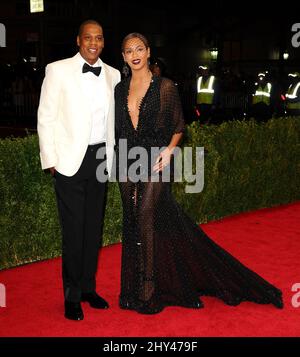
(167, 260)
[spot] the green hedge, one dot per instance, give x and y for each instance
(247, 166)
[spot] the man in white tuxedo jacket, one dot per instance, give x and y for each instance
(75, 120)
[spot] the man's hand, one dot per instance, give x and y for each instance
(52, 171)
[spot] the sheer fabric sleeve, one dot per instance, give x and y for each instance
(171, 105)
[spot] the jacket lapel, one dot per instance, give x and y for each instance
(108, 85)
(77, 71)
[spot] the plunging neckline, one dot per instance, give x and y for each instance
(135, 128)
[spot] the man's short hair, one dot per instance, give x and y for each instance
(87, 22)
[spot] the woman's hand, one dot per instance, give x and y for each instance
(163, 159)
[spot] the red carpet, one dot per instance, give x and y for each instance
(267, 241)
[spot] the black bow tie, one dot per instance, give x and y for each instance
(88, 68)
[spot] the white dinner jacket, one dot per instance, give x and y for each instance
(64, 116)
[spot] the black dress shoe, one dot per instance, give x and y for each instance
(94, 300)
(73, 311)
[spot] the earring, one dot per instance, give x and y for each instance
(125, 69)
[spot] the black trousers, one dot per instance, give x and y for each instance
(80, 201)
(206, 112)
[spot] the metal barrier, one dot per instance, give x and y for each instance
(18, 105)
(234, 100)
(230, 105)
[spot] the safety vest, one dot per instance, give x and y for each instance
(262, 94)
(205, 90)
(292, 97)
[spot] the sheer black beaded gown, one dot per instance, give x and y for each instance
(167, 260)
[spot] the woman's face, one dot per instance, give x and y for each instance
(136, 54)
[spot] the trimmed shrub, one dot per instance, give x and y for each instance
(248, 165)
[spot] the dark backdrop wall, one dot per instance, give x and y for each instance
(248, 36)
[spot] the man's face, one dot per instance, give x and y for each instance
(156, 70)
(91, 42)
